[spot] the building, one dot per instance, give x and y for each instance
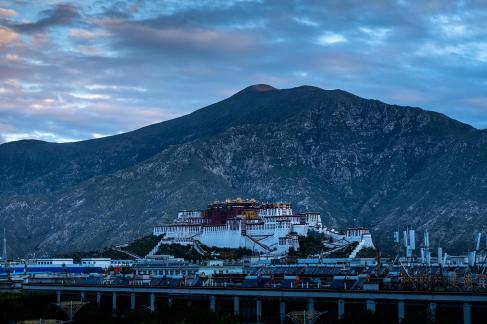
(106, 263)
(103, 263)
(122, 263)
(266, 228)
(50, 261)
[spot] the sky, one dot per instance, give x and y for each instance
(78, 70)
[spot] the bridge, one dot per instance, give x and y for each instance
(466, 301)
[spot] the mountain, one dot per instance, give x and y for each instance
(357, 161)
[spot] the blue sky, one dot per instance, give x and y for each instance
(79, 70)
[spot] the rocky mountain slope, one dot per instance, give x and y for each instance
(357, 161)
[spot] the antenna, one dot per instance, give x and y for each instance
(477, 246)
(396, 237)
(412, 239)
(472, 256)
(426, 255)
(4, 255)
(409, 241)
(445, 256)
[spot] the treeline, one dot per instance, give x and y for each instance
(105, 253)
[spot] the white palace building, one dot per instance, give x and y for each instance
(267, 228)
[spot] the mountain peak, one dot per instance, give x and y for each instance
(258, 88)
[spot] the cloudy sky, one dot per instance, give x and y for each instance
(85, 69)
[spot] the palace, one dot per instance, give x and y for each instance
(267, 228)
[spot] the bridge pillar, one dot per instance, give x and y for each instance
(82, 296)
(467, 313)
(258, 310)
(432, 308)
(152, 302)
(98, 298)
(212, 304)
(236, 306)
(282, 311)
(341, 308)
(132, 301)
(114, 302)
(311, 306)
(401, 311)
(370, 305)
(58, 296)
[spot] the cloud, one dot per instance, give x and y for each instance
(81, 33)
(61, 120)
(60, 14)
(7, 12)
(330, 38)
(178, 40)
(7, 36)
(5, 129)
(305, 21)
(102, 67)
(375, 35)
(91, 96)
(450, 26)
(12, 57)
(470, 51)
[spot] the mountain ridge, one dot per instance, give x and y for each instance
(357, 161)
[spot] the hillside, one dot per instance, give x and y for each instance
(357, 161)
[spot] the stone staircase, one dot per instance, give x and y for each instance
(264, 247)
(154, 249)
(132, 255)
(341, 247)
(198, 248)
(357, 249)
